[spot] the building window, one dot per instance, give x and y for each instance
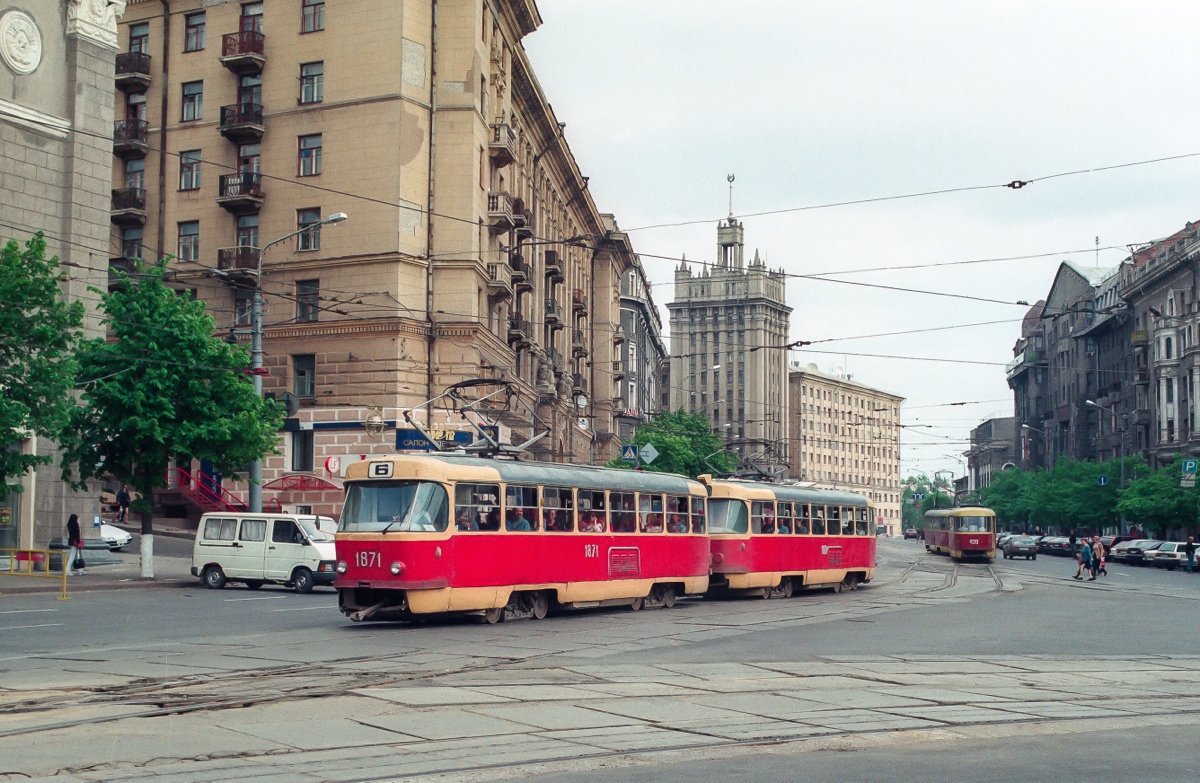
(193, 37)
(312, 82)
(312, 16)
(243, 306)
(189, 170)
(135, 174)
(310, 219)
(131, 243)
(189, 241)
(304, 370)
(193, 101)
(252, 18)
(247, 231)
(139, 38)
(302, 450)
(310, 155)
(307, 299)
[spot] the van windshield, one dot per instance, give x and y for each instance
(313, 529)
(395, 506)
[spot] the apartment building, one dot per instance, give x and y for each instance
(643, 357)
(994, 447)
(472, 248)
(846, 435)
(56, 111)
(729, 326)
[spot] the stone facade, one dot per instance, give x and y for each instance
(643, 356)
(994, 447)
(56, 108)
(729, 329)
(846, 435)
(473, 247)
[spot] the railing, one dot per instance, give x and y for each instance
(577, 336)
(243, 257)
(241, 114)
(128, 198)
(242, 43)
(518, 265)
(504, 144)
(579, 299)
(554, 263)
(500, 276)
(555, 358)
(618, 367)
(130, 131)
(578, 382)
(241, 183)
(1139, 337)
(519, 329)
(553, 310)
(37, 563)
(119, 269)
(133, 64)
(205, 493)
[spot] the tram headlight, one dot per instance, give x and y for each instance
(397, 568)
(341, 566)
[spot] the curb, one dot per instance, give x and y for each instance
(187, 535)
(132, 585)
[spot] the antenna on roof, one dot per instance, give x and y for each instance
(730, 179)
(1097, 252)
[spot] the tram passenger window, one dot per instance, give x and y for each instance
(847, 521)
(762, 516)
(833, 520)
(624, 518)
(698, 521)
(521, 509)
(872, 531)
(803, 518)
(477, 507)
(785, 524)
(650, 508)
(860, 522)
(559, 507)
(592, 515)
(677, 514)
(728, 516)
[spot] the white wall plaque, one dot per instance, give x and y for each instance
(20, 42)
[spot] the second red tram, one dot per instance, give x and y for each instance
(961, 532)
(777, 539)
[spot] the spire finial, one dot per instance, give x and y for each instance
(730, 179)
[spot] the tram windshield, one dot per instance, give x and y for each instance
(973, 524)
(395, 506)
(727, 516)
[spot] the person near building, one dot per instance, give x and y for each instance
(74, 547)
(123, 503)
(1189, 549)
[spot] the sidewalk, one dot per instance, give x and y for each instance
(126, 574)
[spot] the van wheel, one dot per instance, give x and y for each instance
(254, 584)
(302, 580)
(214, 578)
(540, 605)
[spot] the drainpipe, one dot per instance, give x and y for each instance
(429, 345)
(162, 131)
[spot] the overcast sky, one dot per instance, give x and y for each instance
(815, 102)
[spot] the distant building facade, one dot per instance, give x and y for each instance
(56, 114)
(642, 357)
(994, 447)
(846, 435)
(729, 329)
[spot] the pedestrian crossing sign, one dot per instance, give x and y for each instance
(629, 453)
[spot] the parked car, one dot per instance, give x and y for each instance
(1168, 555)
(116, 538)
(1020, 546)
(1111, 541)
(1134, 552)
(1002, 538)
(1120, 552)
(911, 534)
(1060, 546)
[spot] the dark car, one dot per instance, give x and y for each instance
(1134, 552)
(912, 534)
(1020, 546)
(1055, 545)
(1111, 541)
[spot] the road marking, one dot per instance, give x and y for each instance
(22, 627)
(262, 598)
(26, 611)
(326, 607)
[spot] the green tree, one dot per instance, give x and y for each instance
(1011, 495)
(685, 443)
(936, 495)
(1071, 496)
(165, 387)
(1157, 501)
(38, 333)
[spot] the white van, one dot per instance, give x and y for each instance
(288, 549)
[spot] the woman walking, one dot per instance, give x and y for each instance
(74, 546)
(1084, 557)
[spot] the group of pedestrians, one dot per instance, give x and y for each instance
(1090, 555)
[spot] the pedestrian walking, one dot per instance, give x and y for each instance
(1097, 558)
(1084, 556)
(74, 547)
(1189, 549)
(123, 503)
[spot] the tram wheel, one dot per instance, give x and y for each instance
(837, 587)
(493, 616)
(636, 605)
(539, 605)
(668, 596)
(785, 588)
(852, 582)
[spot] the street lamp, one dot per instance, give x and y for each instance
(256, 349)
(1120, 441)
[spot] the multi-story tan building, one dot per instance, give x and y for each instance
(846, 435)
(472, 249)
(729, 326)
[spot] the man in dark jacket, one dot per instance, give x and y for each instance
(1189, 549)
(123, 502)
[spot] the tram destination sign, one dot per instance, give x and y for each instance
(413, 440)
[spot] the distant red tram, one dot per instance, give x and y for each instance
(438, 533)
(961, 532)
(774, 540)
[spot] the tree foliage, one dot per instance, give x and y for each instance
(38, 333)
(164, 388)
(685, 443)
(936, 492)
(1157, 502)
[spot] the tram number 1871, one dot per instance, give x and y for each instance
(591, 550)
(367, 559)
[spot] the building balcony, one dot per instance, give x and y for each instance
(553, 312)
(244, 52)
(242, 261)
(554, 266)
(1141, 375)
(503, 147)
(578, 302)
(556, 359)
(578, 344)
(241, 192)
(1140, 337)
(242, 122)
(578, 383)
(1029, 358)
(618, 336)
(500, 281)
(618, 369)
(520, 331)
(521, 275)
(523, 220)
(130, 138)
(129, 207)
(118, 268)
(133, 72)
(500, 211)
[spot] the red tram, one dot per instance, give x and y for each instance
(961, 532)
(777, 539)
(437, 533)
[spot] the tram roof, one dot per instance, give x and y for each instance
(796, 494)
(581, 476)
(964, 511)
